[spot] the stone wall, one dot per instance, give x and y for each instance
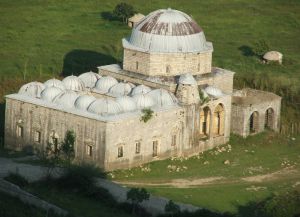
(168, 64)
(50, 122)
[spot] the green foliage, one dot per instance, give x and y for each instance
(260, 48)
(67, 146)
(172, 208)
(147, 114)
(17, 179)
(202, 97)
(137, 196)
(124, 11)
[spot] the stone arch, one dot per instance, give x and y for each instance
(219, 120)
(254, 122)
(205, 116)
(269, 118)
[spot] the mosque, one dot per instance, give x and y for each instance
(167, 69)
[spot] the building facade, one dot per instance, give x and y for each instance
(167, 69)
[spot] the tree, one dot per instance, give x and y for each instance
(137, 196)
(67, 145)
(172, 208)
(124, 11)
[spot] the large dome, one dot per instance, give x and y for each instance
(127, 103)
(32, 89)
(163, 97)
(55, 83)
(105, 83)
(49, 93)
(105, 107)
(73, 83)
(66, 99)
(83, 102)
(89, 79)
(167, 31)
(120, 89)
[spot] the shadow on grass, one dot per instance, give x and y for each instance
(107, 15)
(80, 61)
(246, 50)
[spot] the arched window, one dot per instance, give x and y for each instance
(254, 122)
(205, 115)
(219, 120)
(269, 118)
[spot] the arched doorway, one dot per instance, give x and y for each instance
(205, 115)
(269, 118)
(254, 122)
(219, 120)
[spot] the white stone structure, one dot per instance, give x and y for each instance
(167, 69)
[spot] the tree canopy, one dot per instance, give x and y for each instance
(124, 11)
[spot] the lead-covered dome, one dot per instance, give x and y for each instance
(127, 103)
(55, 83)
(89, 79)
(105, 83)
(66, 99)
(105, 107)
(140, 89)
(73, 83)
(120, 89)
(213, 91)
(49, 93)
(143, 101)
(83, 102)
(163, 97)
(32, 89)
(167, 31)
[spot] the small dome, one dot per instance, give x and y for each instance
(120, 89)
(127, 103)
(83, 102)
(66, 99)
(55, 83)
(143, 101)
(213, 91)
(32, 89)
(168, 31)
(163, 97)
(140, 89)
(105, 107)
(49, 93)
(105, 83)
(187, 79)
(273, 56)
(73, 83)
(89, 79)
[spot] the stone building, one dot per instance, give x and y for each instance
(167, 69)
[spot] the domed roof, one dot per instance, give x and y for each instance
(127, 103)
(163, 97)
(66, 99)
(73, 83)
(213, 91)
(83, 102)
(55, 83)
(105, 83)
(273, 56)
(143, 101)
(187, 79)
(49, 93)
(32, 89)
(168, 30)
(120, 89)
(140, 89)
(105, 107)
(89, 79)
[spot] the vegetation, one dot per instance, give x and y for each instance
(124, 11)
(260, 48)
(67, 146)
(17, 179)
(172, 208)
(204, 99)
(137, 196)
(147, 114)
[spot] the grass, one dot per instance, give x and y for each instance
(256, 155)
(12, 207)
(11, 153)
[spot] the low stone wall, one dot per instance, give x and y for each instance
(28, 198)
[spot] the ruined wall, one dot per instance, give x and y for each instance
(51, 122)
(161, 127)
(171, 64)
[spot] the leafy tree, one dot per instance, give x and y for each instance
(67, 145)
(172, 208)
(124, 11)
(137, 196)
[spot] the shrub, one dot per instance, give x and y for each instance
(260, 48)
(172, 208)
(147, 114)
(124, 11)
(17, 179)
(137, 196)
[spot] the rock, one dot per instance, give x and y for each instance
(273, 56)
(206, 162)
(226, 162)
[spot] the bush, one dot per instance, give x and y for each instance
(147, 114)
(124, 11)
(260, 48)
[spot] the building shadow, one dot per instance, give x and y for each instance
(80, 61)
(246, 50)
(2, 123)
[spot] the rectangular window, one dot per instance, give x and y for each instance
(89, 150)
(37, 136)
(155, 148)
(173, 140)
(120, 151)
(138, 147)
(20, 131)
(137, 65)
